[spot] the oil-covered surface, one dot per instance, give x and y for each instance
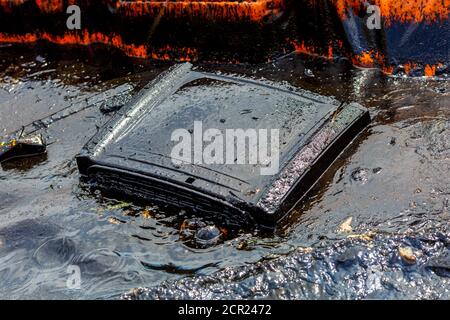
(410, 38)
(377, 225)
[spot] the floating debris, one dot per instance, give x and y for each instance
(309, 139)
(407, 255)
(360, 175)
(243, 245)
(309, 73)
(19, 147)
(147, 213)
(369, 236)
(113, 220)
(199, 234)
(208, 236)
(114, 103)
(120, 205)
(346, 226)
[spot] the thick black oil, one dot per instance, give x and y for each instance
(376, 225)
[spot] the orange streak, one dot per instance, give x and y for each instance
(48, 6)
(370, 59)
(330, 52)
(430, 71)
(254, 10)
(231, 10)
(45, 6)
(86, 38)
(311, 50)
(365, 59)
(408, 68)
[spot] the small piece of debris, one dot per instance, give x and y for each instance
(120, 205)
(360, 175)
(363, 236)
(309, 73)
(133, 293)
(305, 249)
(243, 245)
(393, 141)
(114, 103)
(407, 255)
(110, 107)
(346, 226)
(252, 192)
(377, 170)
(208, 236)
(40, 59)
(224, 231)
(21, 146)
(147, 213)
(246, 111)
(114, 220)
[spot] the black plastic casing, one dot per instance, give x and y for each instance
(131, 154)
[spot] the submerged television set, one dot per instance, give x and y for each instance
(220, 143)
